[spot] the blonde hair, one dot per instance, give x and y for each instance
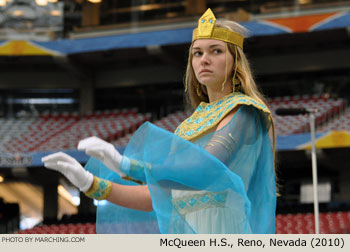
(243, 73)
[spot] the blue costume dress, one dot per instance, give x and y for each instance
(201, 180)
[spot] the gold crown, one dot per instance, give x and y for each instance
(207, 30)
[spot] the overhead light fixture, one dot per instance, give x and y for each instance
(67, 196)
(56, 13)
(304, 1)
(1, 179)
(95, 1)
(2, 2)
(52, 1)
(41, 2)
(17, 13)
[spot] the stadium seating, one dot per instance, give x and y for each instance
(86, 228)
(330, 223)
(169, 123)
(62, 131)
(339, 123)
(327, 108)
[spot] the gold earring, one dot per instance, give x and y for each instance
(236, 85)
(235, 81)
(199, 90)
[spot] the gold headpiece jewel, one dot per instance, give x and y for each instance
(207, 30)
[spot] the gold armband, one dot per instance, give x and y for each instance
(100, 189)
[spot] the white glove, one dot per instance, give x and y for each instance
(104, 151)
(70, 168)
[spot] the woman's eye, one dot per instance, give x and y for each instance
(217, 51)
(197, 54)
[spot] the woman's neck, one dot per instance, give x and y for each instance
(218, 93)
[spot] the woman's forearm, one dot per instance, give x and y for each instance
(135, 197)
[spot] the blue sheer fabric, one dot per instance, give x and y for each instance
(223, 182)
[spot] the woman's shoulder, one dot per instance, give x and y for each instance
(244, 112)
(227, 118)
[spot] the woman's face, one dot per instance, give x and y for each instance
(209, 62)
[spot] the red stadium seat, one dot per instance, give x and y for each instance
(330, 223)
(86, 228)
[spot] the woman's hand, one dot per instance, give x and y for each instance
(70, 168)
(104, 151)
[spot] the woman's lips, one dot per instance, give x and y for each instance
(205, 71)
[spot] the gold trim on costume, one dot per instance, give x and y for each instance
(232, 138)
(208, 115)
(228, 142)
(199, 201)
(100, 189)
(226, 147)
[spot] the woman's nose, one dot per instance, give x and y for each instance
(205, 59)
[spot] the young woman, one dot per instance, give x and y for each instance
(214, 175)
